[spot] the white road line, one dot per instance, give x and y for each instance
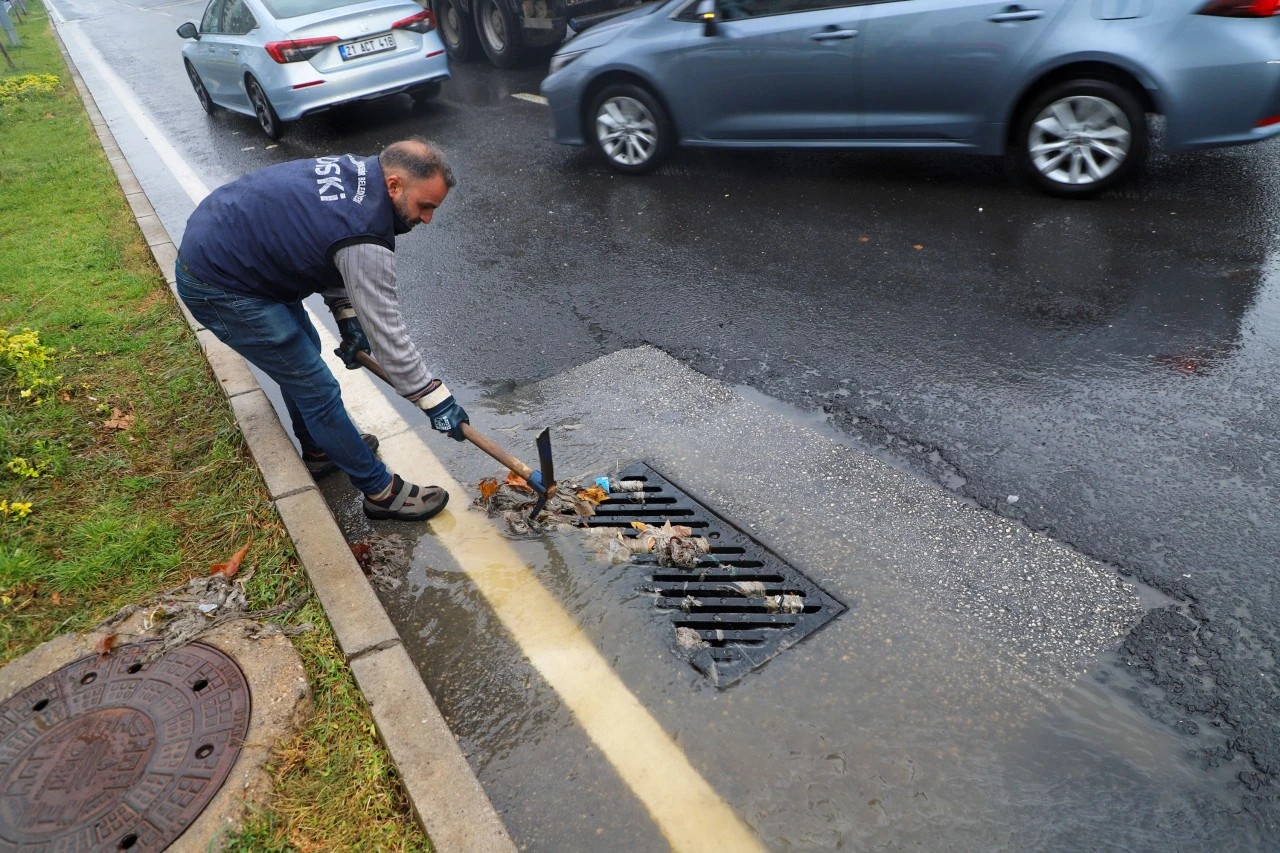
(688, 811)
(186, 177)
(533, 99)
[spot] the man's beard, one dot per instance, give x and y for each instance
(401, 207)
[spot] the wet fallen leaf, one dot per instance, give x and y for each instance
(595, 495)
(640, 525)
(118, 420)
(917, 246)
(105, 644)
(514, 479)
(488, 488)
(363, 552)
(230, 567)
(864, 239)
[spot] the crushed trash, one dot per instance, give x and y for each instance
(786, 603)
(512, 498)
(383, 559)
(672, 544)
(750, 589)
(688, 639)
(184, 613)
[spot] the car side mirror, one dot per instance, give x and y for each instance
(707, 12)
(189, 31)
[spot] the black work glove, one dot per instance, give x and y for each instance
(445, 413)
(353, 341)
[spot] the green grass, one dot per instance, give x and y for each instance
(119, 512)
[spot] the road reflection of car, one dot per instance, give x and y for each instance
(509, 30)
(1064, 86)
(278, 60)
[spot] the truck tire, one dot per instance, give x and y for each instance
(499, 32)
(457, 29)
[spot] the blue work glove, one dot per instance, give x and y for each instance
(445, 413)
(353, 341)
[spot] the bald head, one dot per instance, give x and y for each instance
(414, 160)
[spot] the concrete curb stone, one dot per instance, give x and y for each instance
(443, 791)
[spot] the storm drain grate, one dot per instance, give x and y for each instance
(742, 601)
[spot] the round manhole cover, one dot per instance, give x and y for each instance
(116, 754)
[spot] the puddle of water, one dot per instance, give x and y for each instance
(892, 726)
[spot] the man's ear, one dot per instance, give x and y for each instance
(393, 183)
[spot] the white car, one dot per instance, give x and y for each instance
(278, 60)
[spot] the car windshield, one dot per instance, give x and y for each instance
(294, 8)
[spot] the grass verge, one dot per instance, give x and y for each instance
(122, 472)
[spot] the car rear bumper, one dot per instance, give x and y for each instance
(1225, 85)
(387, 78)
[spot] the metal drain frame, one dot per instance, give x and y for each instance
(739, 632)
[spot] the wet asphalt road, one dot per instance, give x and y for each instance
(1103, 372)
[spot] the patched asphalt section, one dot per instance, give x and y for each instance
(941, 709)
(848, 518)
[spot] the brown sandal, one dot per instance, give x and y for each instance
(407, 502)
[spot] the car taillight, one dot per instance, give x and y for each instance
(298, 49)
(425, 22)
(1242, 8)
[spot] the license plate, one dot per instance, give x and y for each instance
(377, 44)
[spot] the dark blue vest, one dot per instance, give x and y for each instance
(273, 233)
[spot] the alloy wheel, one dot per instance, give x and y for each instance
(1079, 140)
(262, 109)
(206, 102)
(627, 130)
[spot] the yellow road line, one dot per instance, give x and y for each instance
(691, 815)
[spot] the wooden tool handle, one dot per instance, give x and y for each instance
(482, 441)
(469, 432)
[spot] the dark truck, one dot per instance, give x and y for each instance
(509, 30)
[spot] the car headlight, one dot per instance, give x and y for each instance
(560, 60)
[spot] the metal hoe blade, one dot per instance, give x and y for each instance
(546, 474)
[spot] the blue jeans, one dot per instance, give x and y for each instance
(279, 339)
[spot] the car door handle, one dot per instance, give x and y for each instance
(833, 35)
(1016, 13)
(235, 51)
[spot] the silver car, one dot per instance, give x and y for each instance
(1063, 85)
(278, 60)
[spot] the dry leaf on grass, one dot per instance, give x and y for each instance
(118, 420)
(230, 567)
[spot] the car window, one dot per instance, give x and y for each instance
(731, 10)
(211, 22)
(294, 8)
(236, 18)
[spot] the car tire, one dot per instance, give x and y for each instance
(457, 29)
(1082, 137)
(206, 102)
(263, 111)
(425, 93)
(629, 129)
(499, 32)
